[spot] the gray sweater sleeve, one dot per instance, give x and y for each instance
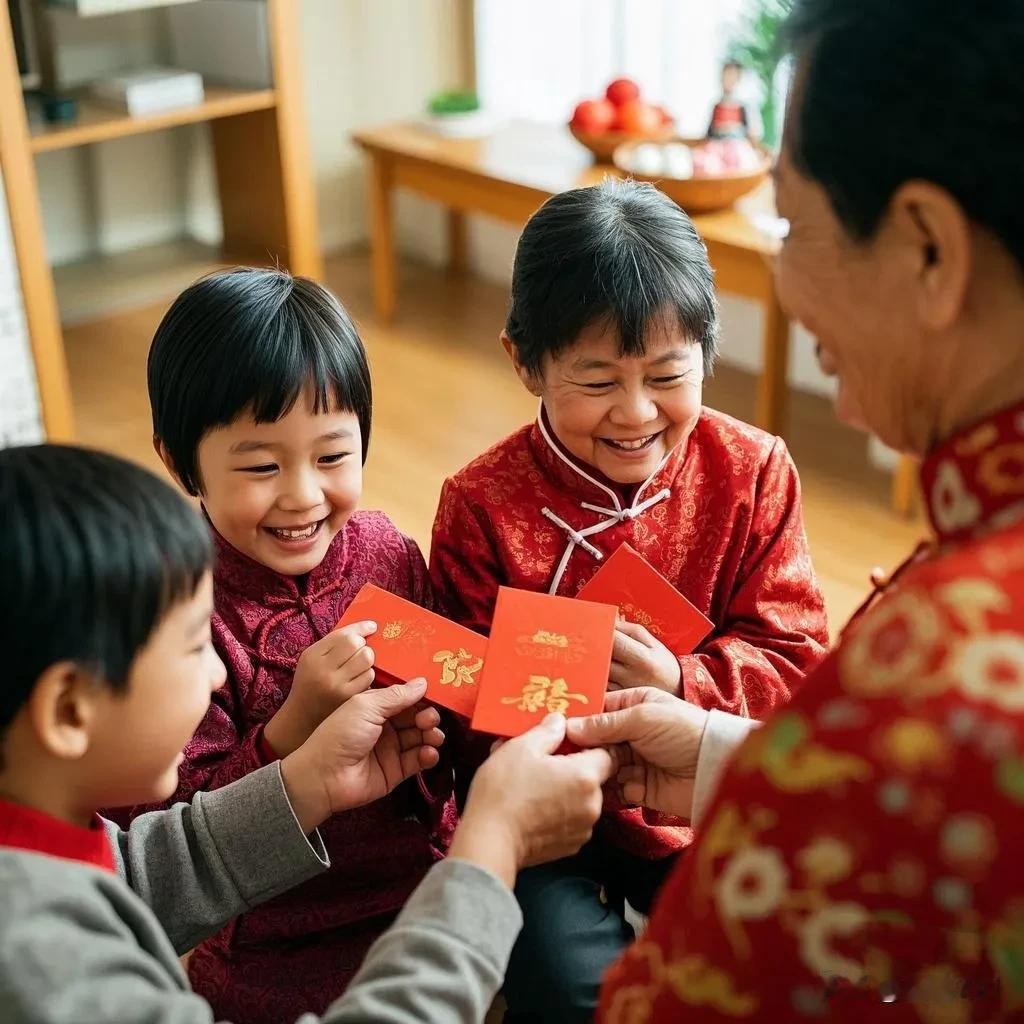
(77, 946)
(444, 959)
(442, 962)
(200, 864)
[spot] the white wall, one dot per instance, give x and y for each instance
(369, 61)
(20, 415)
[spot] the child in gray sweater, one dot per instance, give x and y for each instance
(106, 593)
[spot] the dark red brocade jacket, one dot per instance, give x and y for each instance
(298, 952)
(721, 519)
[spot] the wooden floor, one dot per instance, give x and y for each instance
(444, 392)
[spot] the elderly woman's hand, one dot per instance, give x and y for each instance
(528, 805)
(656, 738)
(640, 659)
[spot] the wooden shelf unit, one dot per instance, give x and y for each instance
(98, 122)
(264, 178)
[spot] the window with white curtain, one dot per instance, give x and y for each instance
(537, 59)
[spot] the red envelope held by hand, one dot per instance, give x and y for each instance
(545, 654)
(411, 642)
(642, 595)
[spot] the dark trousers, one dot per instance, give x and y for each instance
(574, 930)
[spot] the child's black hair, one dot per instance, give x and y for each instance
(251, 340)
(620, 252)
(94, 552)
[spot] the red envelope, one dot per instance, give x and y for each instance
(545, 654)
(628, 581)
(412, 642)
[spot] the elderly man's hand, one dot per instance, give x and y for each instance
(656, 738)
(529, 805)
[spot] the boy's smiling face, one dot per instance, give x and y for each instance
(281, 492)
(621, 414)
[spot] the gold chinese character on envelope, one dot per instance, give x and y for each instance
(407, 631)
(544, 693)
(546, 654)
(548, 645)
(542, 636)
(458, 668)
(631, 613)
(411, 641)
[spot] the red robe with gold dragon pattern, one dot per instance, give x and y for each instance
(862, 859)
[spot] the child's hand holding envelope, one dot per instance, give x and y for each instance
(411, 642)
(656, 625)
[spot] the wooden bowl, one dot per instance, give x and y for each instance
(697, 194)
(604, 144)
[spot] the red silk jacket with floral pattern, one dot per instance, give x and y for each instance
(864, 857)
(721, 519)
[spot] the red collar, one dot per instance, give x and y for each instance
(25, 828)
(974, 482)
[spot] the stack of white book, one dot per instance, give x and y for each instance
(87, 8)
(151, 90)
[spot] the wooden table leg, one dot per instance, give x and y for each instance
(382, 238)
(458, 254)
(772, 388)
(905, 486)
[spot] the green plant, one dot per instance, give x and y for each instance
(756, 46)
(453, 102)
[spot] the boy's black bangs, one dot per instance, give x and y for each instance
(288, 359)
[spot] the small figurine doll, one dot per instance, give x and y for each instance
(730, 119)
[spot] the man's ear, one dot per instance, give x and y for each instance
(935, 234)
